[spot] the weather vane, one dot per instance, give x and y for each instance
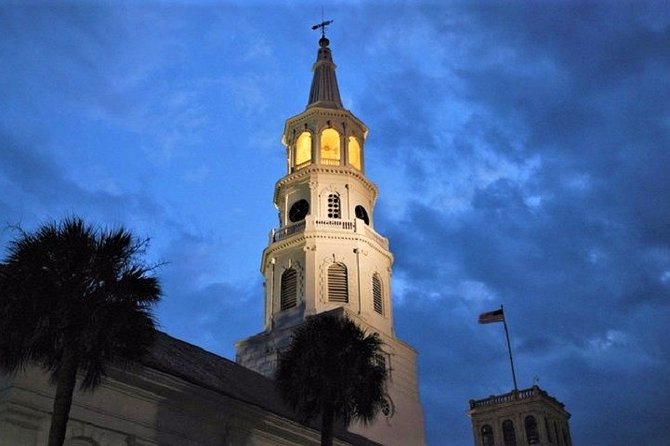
(323, 25)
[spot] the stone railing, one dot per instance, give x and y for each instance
(373, 235)
(357, 226)
(335, 223)
(329, 162)
(281, 233)
(509, 397)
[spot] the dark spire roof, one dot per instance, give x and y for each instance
(324, 91)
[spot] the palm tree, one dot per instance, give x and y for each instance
(74, 299)
(331, 369)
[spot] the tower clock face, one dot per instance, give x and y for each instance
(298, 211)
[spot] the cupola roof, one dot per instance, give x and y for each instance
(324, 91)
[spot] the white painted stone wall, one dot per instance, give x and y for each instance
(142, 408)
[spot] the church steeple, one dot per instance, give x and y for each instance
(326, 256)
(324, 91)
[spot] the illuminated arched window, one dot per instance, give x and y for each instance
(354, 152)
(289, 289)
(377, 296)
(338, 288)
(531, 430)
(509, 436)
(487, 435)
(330, 147)
(303, 150)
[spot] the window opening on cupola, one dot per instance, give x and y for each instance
(531, 430)
(487, 435)
(303, 150)
(546, 428)
(509, 436)
(377, 294)
(334, 209)
(330, 147)
(354, 152)
(289, 289)
(338, 289)
(362, 214)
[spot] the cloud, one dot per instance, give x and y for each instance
(199, 306)
(520, 150)
(544, 193)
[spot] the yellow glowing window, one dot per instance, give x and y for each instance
(303, 148)
(330, 147)
(354, 153)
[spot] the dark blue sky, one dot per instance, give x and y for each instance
(521, 149)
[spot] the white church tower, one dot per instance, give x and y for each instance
(326, 254)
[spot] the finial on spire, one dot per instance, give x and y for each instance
(323, 25)
(324, 91)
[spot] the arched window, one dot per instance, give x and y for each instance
(509, 436)
(289, 289)
(377, 294)
(487, 435)
(546, 427)
(362, 214)
(338, 289)
(531, 430)
(330, 147)
(354, 152)
(303, 150)
(334, 209)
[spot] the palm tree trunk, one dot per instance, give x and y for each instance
(67, 379)
(327, 421)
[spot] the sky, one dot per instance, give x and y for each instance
(521, 150)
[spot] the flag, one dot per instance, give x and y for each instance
(492, 316)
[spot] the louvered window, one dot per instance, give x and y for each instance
(509, 435)
(338, 291)
(531, 430)
(546, 428)
(380, 361)
(334, 206)
(289, 289)
(487, 436)
(377, 294)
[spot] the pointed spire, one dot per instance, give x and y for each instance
(324, 91)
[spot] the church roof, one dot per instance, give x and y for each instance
(205, 369)
(324, 91)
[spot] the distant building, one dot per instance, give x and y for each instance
(326, 255)
(519, 418)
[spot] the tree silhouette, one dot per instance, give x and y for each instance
(74, 299)
(332, 369)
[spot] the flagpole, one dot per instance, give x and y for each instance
(509, 349)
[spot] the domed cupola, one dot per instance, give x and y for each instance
(325, 133)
